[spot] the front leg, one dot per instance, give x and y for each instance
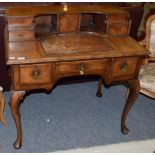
(16, 96)
(134, 89)
(2, 105)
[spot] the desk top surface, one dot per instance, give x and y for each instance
(72, 46)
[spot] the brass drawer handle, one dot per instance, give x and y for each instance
(21, 35)
(36, 74)
(82, 69)
(124, 66)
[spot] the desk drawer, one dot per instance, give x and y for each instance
(118, 25)
(68, 22)
(122, 68)
(20, 21)
(21, 35)
(117, 29)
(82, 67)
(35, 74)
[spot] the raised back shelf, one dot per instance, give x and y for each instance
(30, 23)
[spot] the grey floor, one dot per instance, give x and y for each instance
(73, 117)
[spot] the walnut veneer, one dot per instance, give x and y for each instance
(72, 47)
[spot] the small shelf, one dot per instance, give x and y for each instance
(67, 23)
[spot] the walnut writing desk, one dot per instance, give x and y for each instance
(70, 40)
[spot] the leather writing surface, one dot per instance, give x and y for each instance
(83, 42)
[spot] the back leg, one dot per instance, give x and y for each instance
(99, 92)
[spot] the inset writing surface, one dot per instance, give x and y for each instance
(80, 42)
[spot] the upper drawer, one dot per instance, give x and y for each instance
(118, 25)
(21, 35)
(118, 29)
(68, 22)
(35, 74)
(113, 18)
(20, 21)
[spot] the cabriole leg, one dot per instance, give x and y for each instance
(16, 96)
(134, 89)
(99, 89)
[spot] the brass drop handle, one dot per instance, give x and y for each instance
(124, 66)
(36, 74)
(82, 69)
(21, 35)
